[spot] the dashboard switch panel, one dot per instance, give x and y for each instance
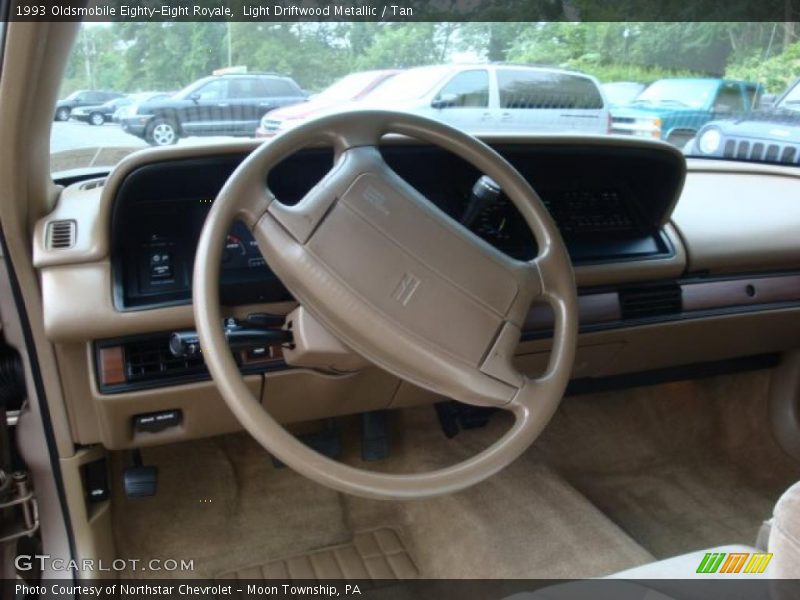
(155, 422)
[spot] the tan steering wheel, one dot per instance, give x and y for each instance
(400, 283)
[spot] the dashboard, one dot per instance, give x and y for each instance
(609, 204)
(674, 266)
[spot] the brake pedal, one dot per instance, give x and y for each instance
(140, 481)
(456, 416)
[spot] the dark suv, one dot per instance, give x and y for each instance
(230, 104)
(82, 98)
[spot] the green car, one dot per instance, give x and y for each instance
(675, 109)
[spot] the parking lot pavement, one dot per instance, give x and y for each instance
(74, 144)
(71, 135)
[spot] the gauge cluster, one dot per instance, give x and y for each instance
(159, 258)
(609, 202)
(241, 250)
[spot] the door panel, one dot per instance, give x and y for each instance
(205, 113)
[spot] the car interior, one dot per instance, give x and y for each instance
(375, 346)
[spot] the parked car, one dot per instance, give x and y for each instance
(131, 101)
(350, 88)
(100, 114)
(497, 98)
(229, 104)
(65, 107)
(622, 93)
(675, 109)
(771, 134)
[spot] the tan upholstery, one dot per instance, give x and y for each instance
(784, 537)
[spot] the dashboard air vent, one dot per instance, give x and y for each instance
(61, 234)
(150, 359)
(92, 184)
(639, 302)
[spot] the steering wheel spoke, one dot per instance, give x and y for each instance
(303, 218)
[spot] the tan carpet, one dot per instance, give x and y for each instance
(223, 504)
(617, 478)
(679, 466)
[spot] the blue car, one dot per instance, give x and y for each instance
(676, 109)
(770, 135)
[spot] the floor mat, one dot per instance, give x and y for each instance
(675, 508)
(679, 466)
(372, 555)
(220, 502)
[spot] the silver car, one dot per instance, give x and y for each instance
(498, 98)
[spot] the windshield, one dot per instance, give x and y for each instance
(621, 93)
(409, 85)
(189, 90)
(678, 92)
(792, 100)
(349, 87)
(481, 77)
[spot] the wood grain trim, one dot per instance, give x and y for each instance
(592, 308)
(112, 365)
(740, 292)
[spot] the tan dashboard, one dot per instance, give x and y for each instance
(733, 268)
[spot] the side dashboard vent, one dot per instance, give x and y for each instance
(92, 184)
(61, 234)
(639, 302)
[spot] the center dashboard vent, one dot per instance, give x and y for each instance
(134, 362)
(146, 360)
(61, 234)
(142, 362)
(641, 302)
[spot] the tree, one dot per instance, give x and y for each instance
(491, 41)
(406, 45)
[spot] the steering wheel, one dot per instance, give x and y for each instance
(400, 283)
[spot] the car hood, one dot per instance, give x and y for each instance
(781, 125)
(645, 112)
(303, 110)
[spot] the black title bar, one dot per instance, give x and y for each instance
(405, 10)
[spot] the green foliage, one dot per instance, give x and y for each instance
(774, 73)
(406, 45)
(490, 41)
(130, 56)
(694, 48)
(617, 72)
